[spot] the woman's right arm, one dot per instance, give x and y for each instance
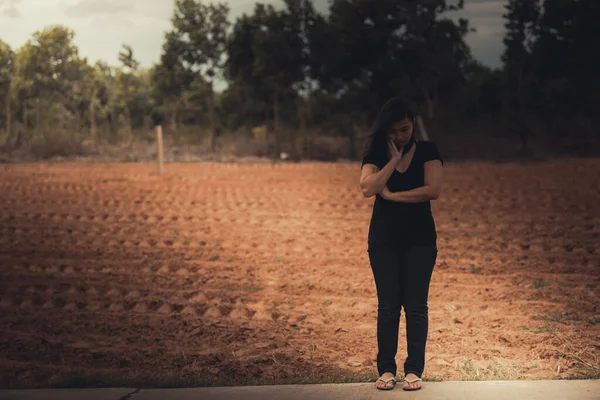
(373, 180)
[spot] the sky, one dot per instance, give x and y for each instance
(102, 26)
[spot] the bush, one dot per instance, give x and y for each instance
(243, 146)
(328, 148)
(56, 144)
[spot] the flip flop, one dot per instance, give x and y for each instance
(393, 379)
(412, 381)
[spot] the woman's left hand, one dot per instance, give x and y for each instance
(386, 194)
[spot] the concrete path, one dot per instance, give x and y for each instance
(453, 390)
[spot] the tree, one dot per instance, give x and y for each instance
(240, 71)
(170, 79)
(47, 71)
(127, 59)
(103, 105)
(521, 25)
(201, 30)
(96, 84)
(566, 65)
(127, 83)
(373, 50)
(7, 66)
(269, 56)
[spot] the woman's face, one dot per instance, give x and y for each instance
(400, 132)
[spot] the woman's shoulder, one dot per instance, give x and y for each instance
(427, 145)
(429, 150)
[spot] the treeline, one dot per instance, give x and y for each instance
(294, 75)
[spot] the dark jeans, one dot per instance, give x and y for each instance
(402, 276)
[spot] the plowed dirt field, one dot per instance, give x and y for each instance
(260, 272)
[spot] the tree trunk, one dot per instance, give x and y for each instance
(309, 137)
(129, 125)
(429, 103)
(21, 132)
(435, 97)
(276, 123)
(24, 115)
(173, 121)
(352, 143)
(8, 113)
(37, 116)
(303, 132)
(211, 115)
(523, 128)
(129, 122)
(93, 128)
(61, 120)
(113, 128)
(267, 130)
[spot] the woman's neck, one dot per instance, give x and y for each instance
(408, 147)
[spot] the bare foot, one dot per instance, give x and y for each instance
(413, 385)
(386, 375)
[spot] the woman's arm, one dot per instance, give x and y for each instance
(372, 181)
(431, 189)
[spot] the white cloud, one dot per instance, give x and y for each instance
(9, 8)
(86, 8)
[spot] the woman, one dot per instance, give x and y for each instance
(405, 175)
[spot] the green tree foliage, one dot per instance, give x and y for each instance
(522, 22)
(132, 91)
(567, 65)
(301, 74)
(170, 80)
(551, 68)
(269, 60)
(48, 79)
(201, 32)
(372, 51)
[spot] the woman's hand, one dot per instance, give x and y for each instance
(394, 153)
(386, 194)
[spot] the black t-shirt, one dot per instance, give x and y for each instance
(398, 223)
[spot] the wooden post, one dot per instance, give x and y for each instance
(159, 142)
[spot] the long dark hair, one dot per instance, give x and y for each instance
(396, 109)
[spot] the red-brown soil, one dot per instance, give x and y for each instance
(260, 272)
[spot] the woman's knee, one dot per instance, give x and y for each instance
(416, 309)
(389, 308)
